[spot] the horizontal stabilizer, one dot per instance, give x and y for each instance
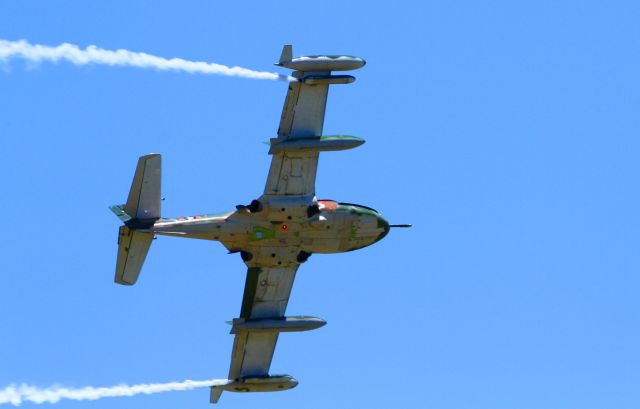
(133, 246)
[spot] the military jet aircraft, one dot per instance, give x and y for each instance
(275, 233)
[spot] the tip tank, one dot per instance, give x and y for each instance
(319, 63)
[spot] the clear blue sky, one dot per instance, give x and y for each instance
(506, 132)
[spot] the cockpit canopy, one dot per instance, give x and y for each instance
(331, 205)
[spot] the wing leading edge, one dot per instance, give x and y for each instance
(294, 173)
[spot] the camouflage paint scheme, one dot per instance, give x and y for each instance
(337, 228)
(274, 234)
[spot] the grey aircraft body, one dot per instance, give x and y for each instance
(273, 234)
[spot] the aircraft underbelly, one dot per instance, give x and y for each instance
(275, 237)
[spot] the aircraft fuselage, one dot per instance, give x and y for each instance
(268, 234)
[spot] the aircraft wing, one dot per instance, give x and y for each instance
(294, 173)
(266, 294)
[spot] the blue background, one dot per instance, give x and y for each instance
(506, 132)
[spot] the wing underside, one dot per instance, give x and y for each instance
(266, 295)
(294, 173)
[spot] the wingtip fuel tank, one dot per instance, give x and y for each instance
(319, 63)
(269, 383)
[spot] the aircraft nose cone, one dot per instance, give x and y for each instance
(382, 223)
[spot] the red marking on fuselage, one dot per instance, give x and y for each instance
(328, 205)
(182, 219)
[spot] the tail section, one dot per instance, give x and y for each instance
(133, 246)
(144, 197)
(138, 214)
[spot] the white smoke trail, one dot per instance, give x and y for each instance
(17, 394)
(37, 53)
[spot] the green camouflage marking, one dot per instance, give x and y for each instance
(355, 209)
(261, 233)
